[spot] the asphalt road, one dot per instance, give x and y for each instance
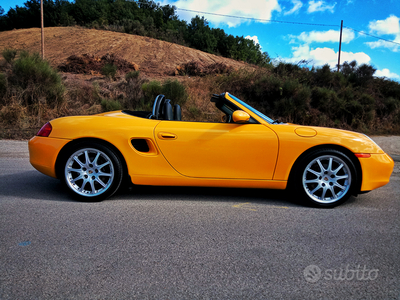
(191, 243)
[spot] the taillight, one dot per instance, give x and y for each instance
(45, 130)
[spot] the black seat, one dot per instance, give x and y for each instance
(168, 115)
(157, 106)
(177, 112)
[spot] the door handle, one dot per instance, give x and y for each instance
(167, 136)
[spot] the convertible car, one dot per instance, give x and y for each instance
(96, 155)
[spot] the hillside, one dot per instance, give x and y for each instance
(155, 58)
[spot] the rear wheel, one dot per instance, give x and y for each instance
(92, 171)
(325, 178)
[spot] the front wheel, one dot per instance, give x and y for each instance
(92, 171)
(325, 178)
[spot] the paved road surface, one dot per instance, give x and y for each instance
(191, 243)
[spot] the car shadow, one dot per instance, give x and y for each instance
(34, 185)
(209, 194)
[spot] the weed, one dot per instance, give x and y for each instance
(175, 91)
(9, 55)
(109, 70)
(110, 105)
(132, 75)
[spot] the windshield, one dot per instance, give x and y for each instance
(261, 115)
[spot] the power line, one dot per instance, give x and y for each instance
(376, 37)
(287, 22)
(256, 19)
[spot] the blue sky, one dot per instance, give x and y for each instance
(315, 43)
(318, 44)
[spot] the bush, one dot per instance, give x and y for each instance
(132, 75)
(9, 55)
(151, 90)
(110, 105)
(3, 85)
(37, 79)
(176, 91)
(109, 70)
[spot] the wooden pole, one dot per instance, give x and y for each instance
(340, 46)
(42, 26)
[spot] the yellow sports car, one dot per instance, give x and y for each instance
(95, 155)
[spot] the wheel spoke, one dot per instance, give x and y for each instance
(101, 182)
(92, 186)
(340, 186)
(312, 181)
(329, 165)
(85, 181)
(77, 178)
(314, 172)
(320, 165)
(338, 169)
(103, 165)
(323, 193)
(334, 196)
(74, 170)
(342, 177)
(104, 174)
(87, 159)
(316, 189)
(96, 158)
(78, 161)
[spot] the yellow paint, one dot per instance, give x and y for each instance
(208, 154)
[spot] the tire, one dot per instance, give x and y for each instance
(325, 178)
(91, 171)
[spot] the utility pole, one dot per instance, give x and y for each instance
(340, 46)
(42, 26)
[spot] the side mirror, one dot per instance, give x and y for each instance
(240, 116)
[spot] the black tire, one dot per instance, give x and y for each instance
(325, 178)
(91, 171)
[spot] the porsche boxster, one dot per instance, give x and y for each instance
(96, 155)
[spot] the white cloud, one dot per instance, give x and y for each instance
(315, 6)
(258, 9)
(331, 36)
(383, 44)
(386, 73)
(254, 39)
(322, 56)
(297, 4)
(390, 25)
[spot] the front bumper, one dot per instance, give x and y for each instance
(43, 152)
(376, 171)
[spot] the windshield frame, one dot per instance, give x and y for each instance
(252, 109)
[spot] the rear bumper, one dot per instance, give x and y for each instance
(376, 171)
(43, 152)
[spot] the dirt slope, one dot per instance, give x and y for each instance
(155, 58)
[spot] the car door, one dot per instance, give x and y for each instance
(218, 150)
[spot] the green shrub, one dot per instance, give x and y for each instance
(38, 80)
(172, 89)
(176, 91)
(109, 70)
(151, 90)
(3, 84)
(132, 75)
(9, 55)
(110, 105)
